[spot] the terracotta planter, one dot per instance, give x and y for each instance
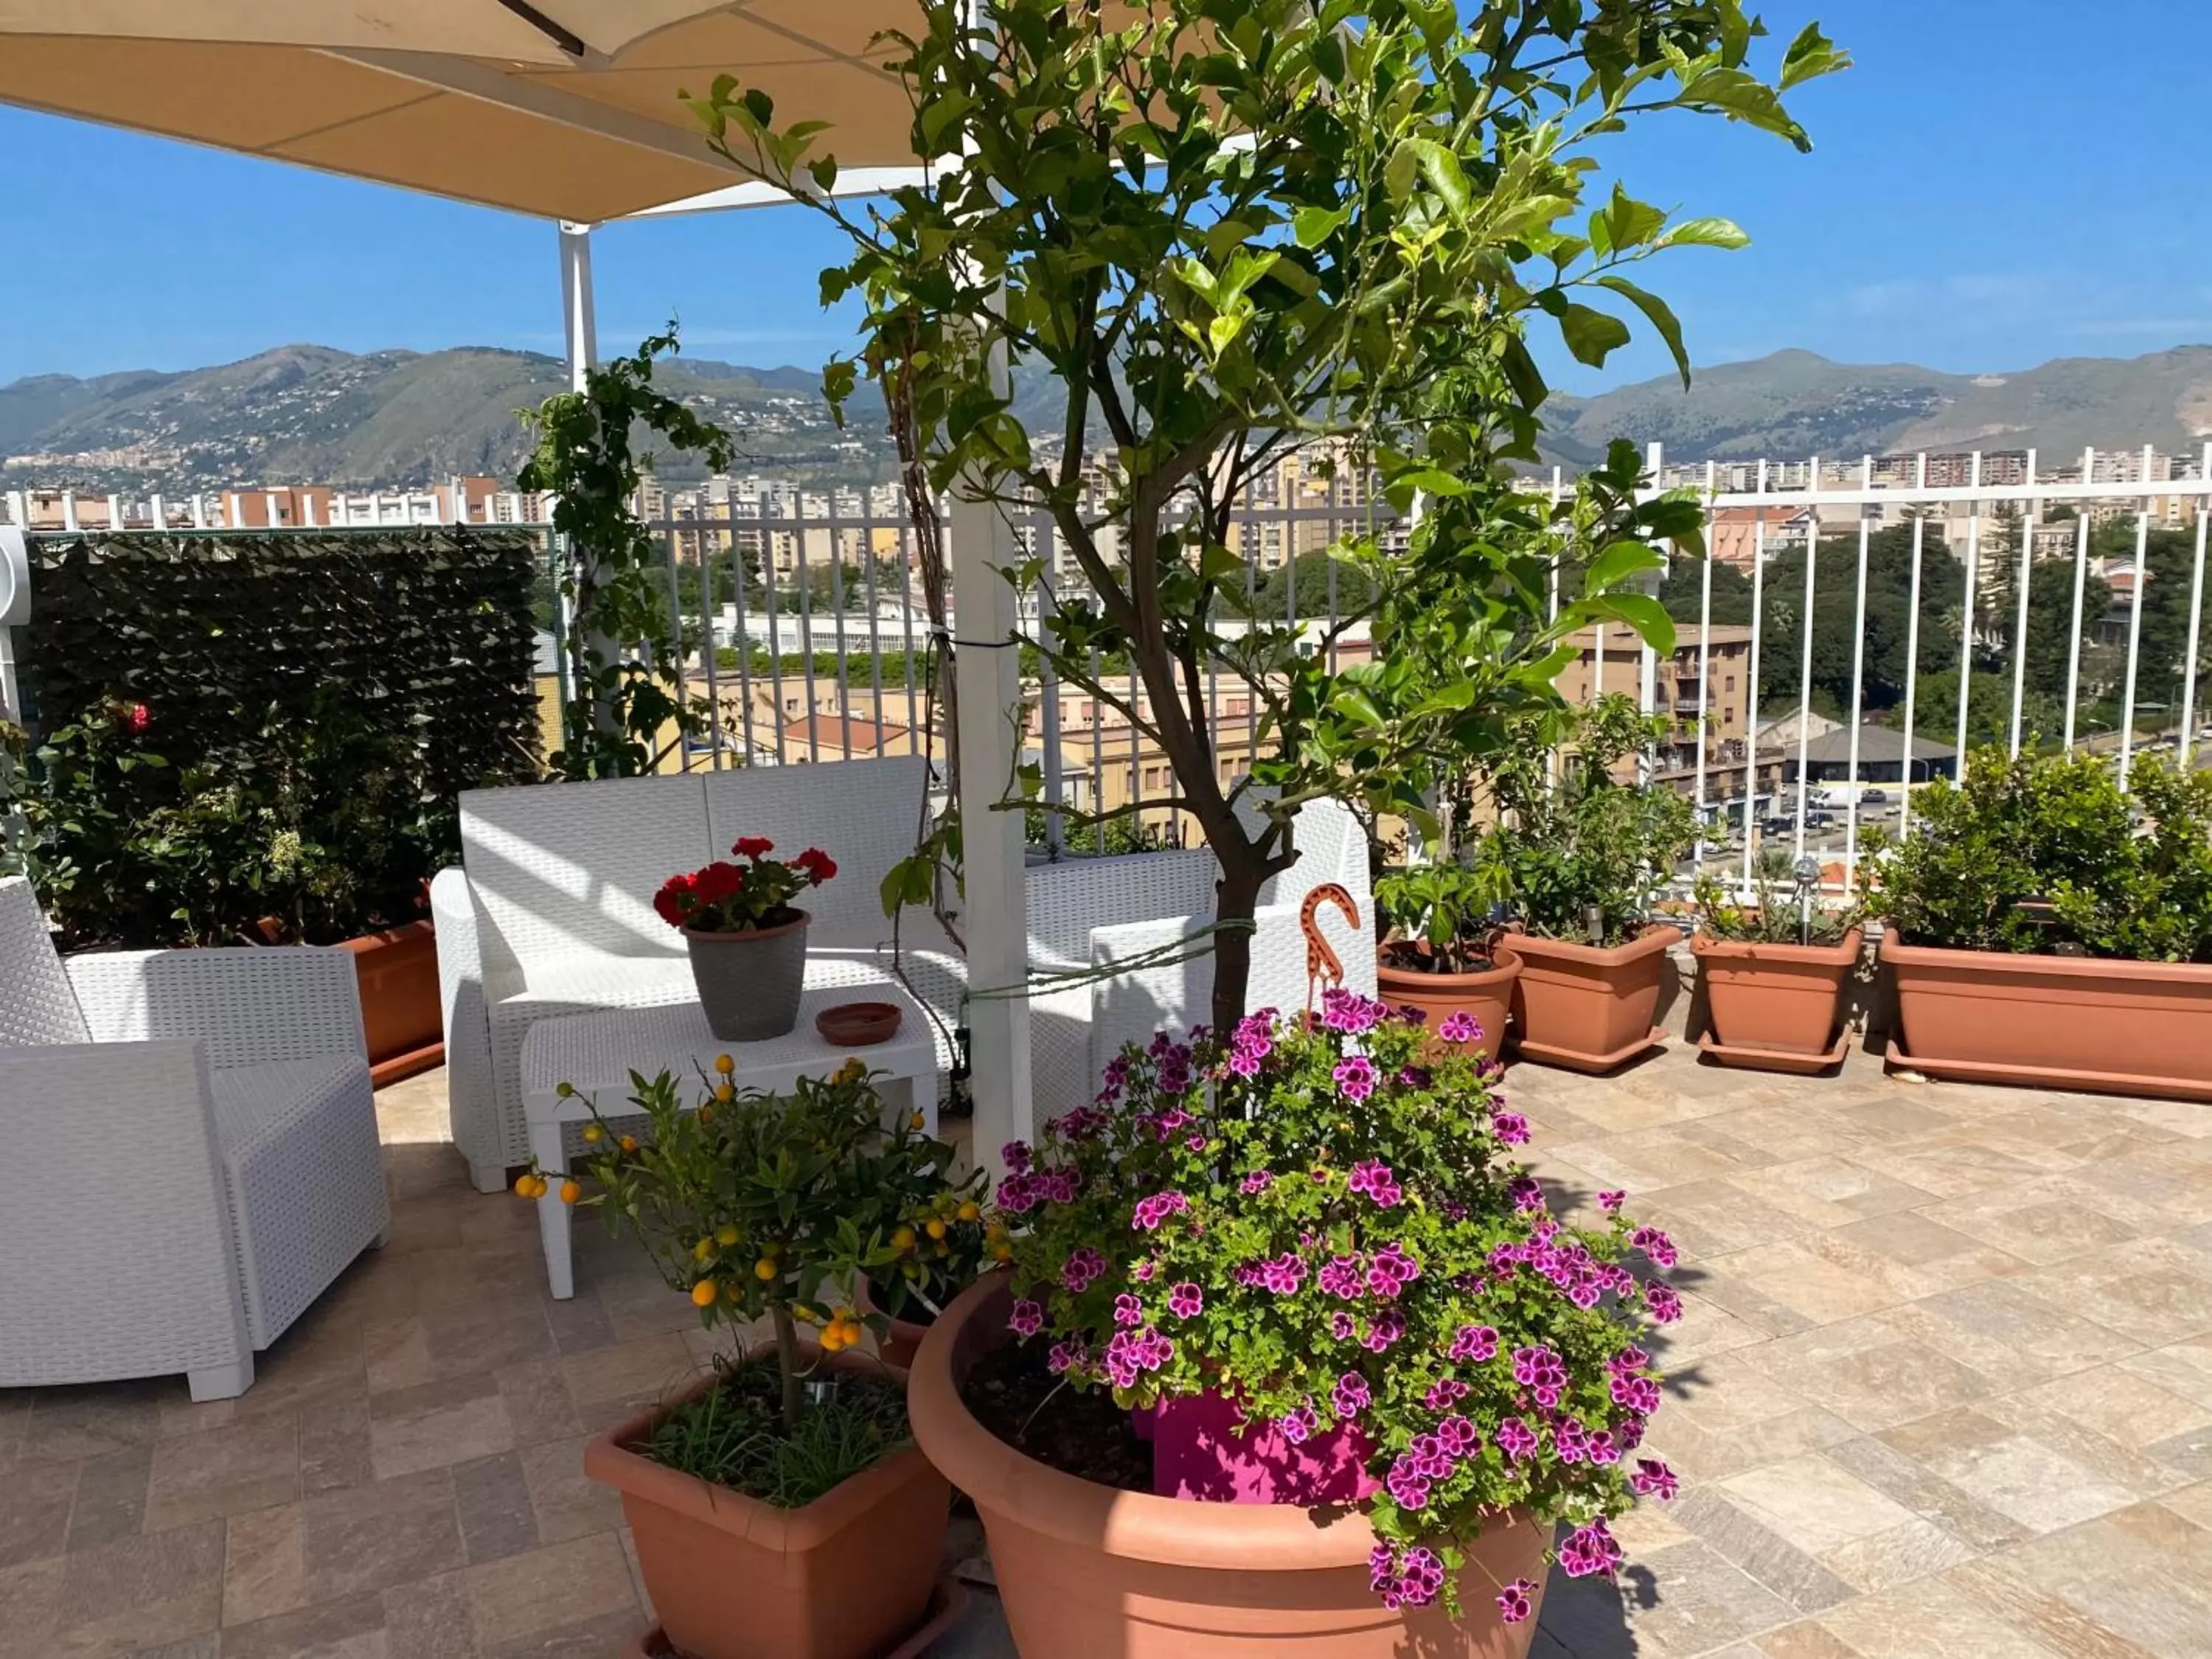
(848, 1576)
(397, 970)
(1088, 1572)
(1488, 996)
(859, 1024)
(749, 982)
(2133, 1028)
(1776, 1006)
(899, 1345)
(1583, 1008)
(946, 1605)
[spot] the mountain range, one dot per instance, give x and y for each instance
(307, 413)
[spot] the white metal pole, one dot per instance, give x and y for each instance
(987, 666)
(1805, 661)
(1966, 622)
(2135, 623)
(2195, 613)
(2019, 618)
(1911, 649)
(579, 323)
(1858, 681)
(2081, 572)
(1750, 728)
(1705, 661)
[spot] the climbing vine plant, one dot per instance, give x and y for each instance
(629, 705)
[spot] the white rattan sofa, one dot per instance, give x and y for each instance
(191, 1153)
(550, 913)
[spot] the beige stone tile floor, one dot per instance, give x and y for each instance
(1943, 1391)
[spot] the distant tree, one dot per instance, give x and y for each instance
(1837, 641)
(1683, 591)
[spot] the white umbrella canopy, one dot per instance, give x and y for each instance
(565, 109)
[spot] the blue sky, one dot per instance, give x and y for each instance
(1999, 182)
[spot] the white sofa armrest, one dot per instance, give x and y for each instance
(1070, 900)
(471, 1094)
(114, 1229)
(248, 1004)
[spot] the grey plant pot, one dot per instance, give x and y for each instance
(749, 983)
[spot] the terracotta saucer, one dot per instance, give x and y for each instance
(857, 1024)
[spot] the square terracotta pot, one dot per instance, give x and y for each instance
(1772, 1000)
(1584, 1008)
(398, 973)
(847, 1576)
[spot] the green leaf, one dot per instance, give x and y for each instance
(1351, 701)
(1617, 564)
(1705, 233)
(1591, 334)
(1313, 226)
(1660, 317)
(1810, 55)
(1641, 612)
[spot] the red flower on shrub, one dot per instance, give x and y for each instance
(718, 881)
(752, 847)
(676, 899)
(819, 865)
(136, 717)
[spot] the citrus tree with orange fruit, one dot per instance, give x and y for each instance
(774, 1206)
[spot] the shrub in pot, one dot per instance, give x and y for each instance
(779, 1509)
(2047, 928)
(1773, 973)
(1301, 1251)
(1440, 953)
(1580, 856)
(945, 1240)
(746, 940)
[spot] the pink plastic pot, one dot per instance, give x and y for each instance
(1201, 1450)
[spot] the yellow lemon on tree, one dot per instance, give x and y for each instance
(628, 1143)
(593, 1133)
(703, 1293)
(725, 1065)
(933, 1227)
(702, 1250)
(919, 1120)
(570, 1192)
(904, 1238)
(523, 1184)
(763, 1269)
(971, 1211)
(832, 1339)
(726, 1235)
(724, 1093)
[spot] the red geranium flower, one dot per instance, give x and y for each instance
(676, 899)
(819, 865)
(138, 716)
(718, 881)
(752, 847)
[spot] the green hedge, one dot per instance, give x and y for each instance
(258, 735)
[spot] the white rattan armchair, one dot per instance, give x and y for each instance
(192, 1154)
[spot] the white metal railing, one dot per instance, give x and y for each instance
(818, 652)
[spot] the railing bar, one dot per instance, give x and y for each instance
(844, 678)
(875, 627)
(1966, 628)
(745, 637)
(2196, 619)
(1097, 753)
(914, 666)
(1804, 666)
(707, 649)
(775, 629)
(2081, 575)
(1704, 666)
(1752, 832)
(806, 634)
(2019, 623)
(2135, 626)
(1858, 688)
(1055, 782)
(1911, 656)
(682, 690)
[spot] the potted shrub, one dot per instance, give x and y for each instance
(1439, 952)
(1302, 1256)
(944, 1239)
(2047, 928)
(746, 940)
(779, 1508)
(1580, 855)
(1773, 973)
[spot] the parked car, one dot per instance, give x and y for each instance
(1874, 797)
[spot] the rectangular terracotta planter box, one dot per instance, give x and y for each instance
(2130, 1028)
(1584, 1008)
(1775, 1003)
(848, 1576)
(397, 970)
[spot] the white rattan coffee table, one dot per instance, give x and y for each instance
(595, 1054)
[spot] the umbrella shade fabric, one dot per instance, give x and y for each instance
(564, 109)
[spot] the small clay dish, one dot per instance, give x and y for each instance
(857, 1024)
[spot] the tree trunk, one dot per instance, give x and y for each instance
(786, 1362)
(1237, 895)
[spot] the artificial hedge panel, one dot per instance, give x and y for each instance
(261, 734)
